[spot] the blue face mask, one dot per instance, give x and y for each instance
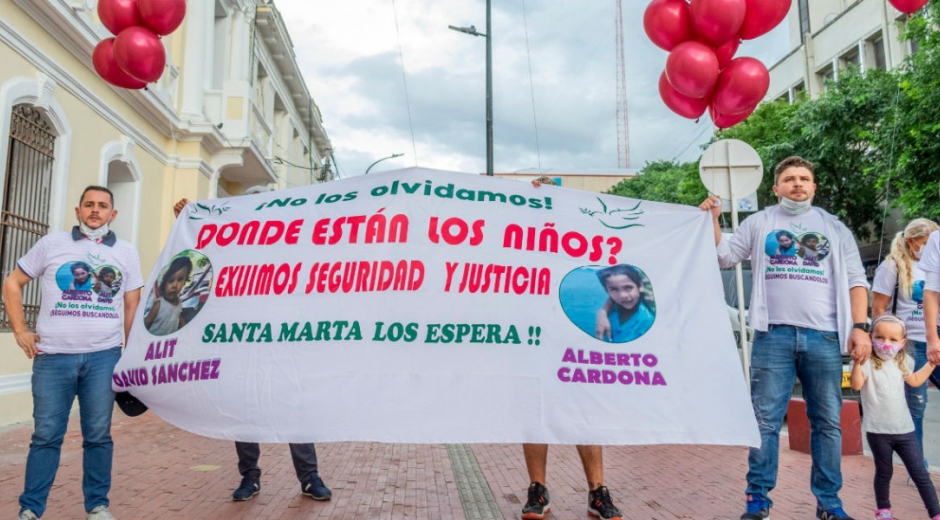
(793, 207)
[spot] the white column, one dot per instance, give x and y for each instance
(241, 43)
(199, 14)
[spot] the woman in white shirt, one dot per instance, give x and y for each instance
(899, 289)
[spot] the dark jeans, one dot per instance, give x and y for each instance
(906, 446)
(304, 456)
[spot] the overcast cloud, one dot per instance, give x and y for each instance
(351, 54)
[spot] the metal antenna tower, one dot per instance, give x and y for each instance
(623, 122)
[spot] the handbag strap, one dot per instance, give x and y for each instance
(894, 303)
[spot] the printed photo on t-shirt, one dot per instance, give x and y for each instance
(180, 292)
(621, 293)
(74, 276)
(108, 279)
(812, 247)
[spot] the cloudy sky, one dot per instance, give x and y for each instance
(361, 57)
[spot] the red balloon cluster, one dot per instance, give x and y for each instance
(136, 56)
(702, 37)
(908, 6)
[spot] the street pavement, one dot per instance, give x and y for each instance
(161, 472)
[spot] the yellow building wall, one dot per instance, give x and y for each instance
(161, 184)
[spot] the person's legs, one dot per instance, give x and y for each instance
(881, 454)
(537, 502)
(305, 460)
(54, 385)
(773, 370)
(908, 448)
(917, 396)
(248, 455)
(96, 404)
(305, 465)
(536, 460)
(592, 458)
(819, 367)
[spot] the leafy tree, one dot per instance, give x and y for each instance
(910, 139)
(838, 132)
(664, 181)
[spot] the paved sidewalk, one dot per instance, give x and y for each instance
(161, 472)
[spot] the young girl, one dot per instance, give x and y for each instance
(887, 422)
(166, 314)
(625, 315)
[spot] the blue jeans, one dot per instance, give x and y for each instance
(778, 356)
(917, 397)
(57, 380)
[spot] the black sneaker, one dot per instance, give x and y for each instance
(316, 489)
(537, 506)
(601, 506)
(756, 509)
(835, 513)
(247, 490)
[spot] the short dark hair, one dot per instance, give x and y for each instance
(178, 264)
(620, 269)
(785, 233)
(96, 188)
(80, 265)
(794, 161)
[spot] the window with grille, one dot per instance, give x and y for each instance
(26, 187)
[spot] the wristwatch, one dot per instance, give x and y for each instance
(863, 325)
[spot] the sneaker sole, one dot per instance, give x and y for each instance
(755, 517)
(315, 497)
(253, 495)
(536, 516)
(594, 513)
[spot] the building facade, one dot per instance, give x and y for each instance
(827, 36)
(231, 111)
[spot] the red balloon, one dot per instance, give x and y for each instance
(717, 20)
(761, 16)
(723, 121)
(107, 68)
(692, 69)
(742, 84)
(162, 16)
(118, 15)
(726, 52)
(908, 6)
(667, 23)
(140, 53)
(683, 105)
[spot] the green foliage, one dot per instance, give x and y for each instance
(664, 181)
(910, 139)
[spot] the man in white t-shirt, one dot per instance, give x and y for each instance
(807, 311)
(79, 337)
(930, 263)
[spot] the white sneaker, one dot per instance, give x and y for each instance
(28, 515)
(99, 513)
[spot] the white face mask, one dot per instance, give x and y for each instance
(793, 207)
(885, 351)
(93, 234)
(917, 253)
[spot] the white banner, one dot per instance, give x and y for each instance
(427, 306)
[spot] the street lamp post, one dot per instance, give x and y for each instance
(394, 155)
(489, 82)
